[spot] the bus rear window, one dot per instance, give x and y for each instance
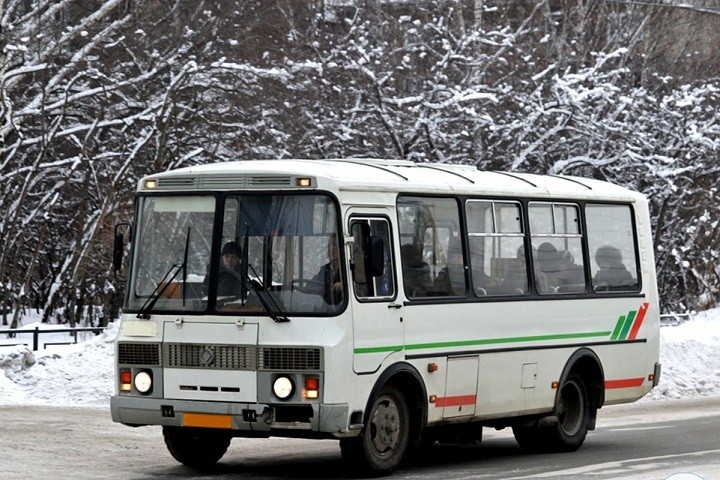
(612, 248)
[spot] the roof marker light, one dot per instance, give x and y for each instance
(150, 184)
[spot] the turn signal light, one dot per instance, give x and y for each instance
(312, 388)
(125, 381)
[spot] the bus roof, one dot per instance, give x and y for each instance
(362, 174)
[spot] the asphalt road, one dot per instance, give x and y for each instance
(652, 440)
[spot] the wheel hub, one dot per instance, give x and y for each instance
(385, 427)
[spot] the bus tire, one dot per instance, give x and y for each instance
(196, 447)
(381, 447)
(566, 430)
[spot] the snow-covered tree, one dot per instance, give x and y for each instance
(96, 93)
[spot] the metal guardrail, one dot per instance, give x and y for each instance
(672, 319)
(37, 332)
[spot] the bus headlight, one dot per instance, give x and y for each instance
(283, 388)
(143, 382)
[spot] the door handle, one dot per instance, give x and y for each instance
(395, 305)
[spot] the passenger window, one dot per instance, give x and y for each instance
(369, 234)
(432, 258)
(557, 248)
(612, 248)
(497, 248)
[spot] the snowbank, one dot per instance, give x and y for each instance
(690, 357)
(67, 375)
(82, 375)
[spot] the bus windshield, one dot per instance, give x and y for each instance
(275, 255)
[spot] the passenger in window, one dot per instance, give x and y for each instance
(451, 279)
(572, 276)
(612, 271)
(230, 274)
(416, 272)
(329, 275)
(515, 280)
(548, 262)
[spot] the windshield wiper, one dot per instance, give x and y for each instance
(276, 311)
(162, 285)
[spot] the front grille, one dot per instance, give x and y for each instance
(223, 357)
(289, 358)
(138, 354)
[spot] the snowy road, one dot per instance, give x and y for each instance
(648, 440)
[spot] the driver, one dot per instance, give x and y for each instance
(230, 274)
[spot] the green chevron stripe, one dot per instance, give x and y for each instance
(628, 323)
(618, 328)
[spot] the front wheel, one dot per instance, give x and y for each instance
(380, 449)
(196, 447)
(567, 429)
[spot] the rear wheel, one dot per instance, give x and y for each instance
(380, 449)
(567, 429)
(196, 447)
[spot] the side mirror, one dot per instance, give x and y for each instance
(118, 248)
(368, 257)
(375, 256)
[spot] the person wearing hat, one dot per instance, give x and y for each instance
(230, 274)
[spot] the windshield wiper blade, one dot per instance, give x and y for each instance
(184, 266)
(276, 312)
(147, 307)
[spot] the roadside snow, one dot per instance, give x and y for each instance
(690, 357)
(82, 374)
(67, 375)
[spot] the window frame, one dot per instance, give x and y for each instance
(636, 249)
(580, 210)
(459, 209)
(391, 251)
(495, 234)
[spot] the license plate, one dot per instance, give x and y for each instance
(206, 420)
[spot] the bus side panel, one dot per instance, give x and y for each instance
(523, 347)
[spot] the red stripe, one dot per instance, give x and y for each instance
(456, 401)
(638, 320)
(624, 383)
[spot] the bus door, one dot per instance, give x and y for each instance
(377, 323)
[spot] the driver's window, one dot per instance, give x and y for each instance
(366, 285)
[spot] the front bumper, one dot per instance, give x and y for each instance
(249, 418)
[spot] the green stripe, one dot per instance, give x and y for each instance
(390, 348)
(628, 324)
(618, 328)
(488, 341)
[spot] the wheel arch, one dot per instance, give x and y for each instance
(409, 381)
(588, 366)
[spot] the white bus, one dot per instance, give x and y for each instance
(386, 304)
